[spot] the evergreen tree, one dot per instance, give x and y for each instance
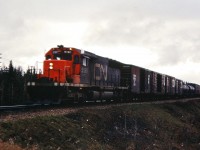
(11, 85)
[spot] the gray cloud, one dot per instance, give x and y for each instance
(173, 41)
(169, 29)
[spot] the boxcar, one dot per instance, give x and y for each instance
(153, 82)
(178, 87)
(145, 77)
(135, 80)
(169, 85)
(160, 84)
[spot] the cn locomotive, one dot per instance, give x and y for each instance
(71, 74)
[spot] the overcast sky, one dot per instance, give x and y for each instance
(161, 35)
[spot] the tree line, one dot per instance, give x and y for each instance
(12, 85)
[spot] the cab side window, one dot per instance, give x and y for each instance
(57, 55)
(67, 55)
(76, 59)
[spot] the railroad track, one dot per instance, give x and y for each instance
(21, 107)
(16, 112)
(29, 106)
(89, 103)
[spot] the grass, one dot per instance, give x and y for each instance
(163, 126)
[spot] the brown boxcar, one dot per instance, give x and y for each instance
(135, 80)
(130, 76)
(178, 87)
(153, 82)
(145, 77)
(170, 85)
(167, 85)
(125, 76)
(160, 83)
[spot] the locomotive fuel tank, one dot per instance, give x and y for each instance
(98, 95)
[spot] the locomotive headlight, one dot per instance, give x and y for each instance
(50, 65)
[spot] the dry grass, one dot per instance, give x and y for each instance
(149, 126)
(9, 146)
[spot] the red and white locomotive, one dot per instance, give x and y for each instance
(70, 74)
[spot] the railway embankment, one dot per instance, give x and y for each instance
(133, 126)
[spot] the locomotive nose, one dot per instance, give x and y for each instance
(58, 71)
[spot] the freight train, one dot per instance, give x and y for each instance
(71, 74)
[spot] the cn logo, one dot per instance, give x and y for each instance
(100, 72)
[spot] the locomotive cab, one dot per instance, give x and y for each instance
(62, 65)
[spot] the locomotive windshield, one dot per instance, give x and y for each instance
(59, 55)
(67, 55)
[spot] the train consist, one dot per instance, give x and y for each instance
(70, 74)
